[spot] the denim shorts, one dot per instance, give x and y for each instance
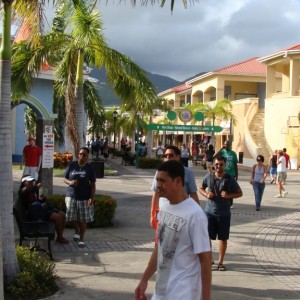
(218, 226)
(273, 171)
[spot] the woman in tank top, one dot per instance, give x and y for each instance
(258, 177)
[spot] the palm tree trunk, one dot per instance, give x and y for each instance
(79, 99)
(10, 264)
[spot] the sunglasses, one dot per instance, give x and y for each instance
(258, 160)
(169, 155)
(219, 164)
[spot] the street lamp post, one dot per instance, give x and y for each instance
(137, 161)
(115, 115)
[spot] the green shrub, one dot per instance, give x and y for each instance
(105, 209)
(149, 163)
(118, 153)
(37, 276)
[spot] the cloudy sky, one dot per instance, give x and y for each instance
(205, 36)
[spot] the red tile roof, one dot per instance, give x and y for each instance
(247, 67)
(283, 52)
(294, 47)
(181, 88)
(23, 32)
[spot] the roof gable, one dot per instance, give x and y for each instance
(247, 67)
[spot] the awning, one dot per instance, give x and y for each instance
(226, 127)
(225, 124)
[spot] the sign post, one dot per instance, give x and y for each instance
(191, 128)
(48, 148)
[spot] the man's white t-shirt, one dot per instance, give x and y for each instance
(182, 236)
(281, 167)
(160, 150)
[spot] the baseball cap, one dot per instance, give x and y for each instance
(27, 178)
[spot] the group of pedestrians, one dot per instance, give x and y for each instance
(279, 163)
(182, 255)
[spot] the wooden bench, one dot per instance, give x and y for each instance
(33, 229)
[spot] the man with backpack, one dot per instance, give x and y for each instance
(231, 161)
(219, 188)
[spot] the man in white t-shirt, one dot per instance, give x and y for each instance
(160, 150)
(281, 174)
(182, 255)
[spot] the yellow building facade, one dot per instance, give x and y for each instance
(265, 98)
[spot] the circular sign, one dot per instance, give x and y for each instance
(199, 116)
(171, 115)
(185, 115)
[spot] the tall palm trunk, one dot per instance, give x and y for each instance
(79, 99)
(10, 265)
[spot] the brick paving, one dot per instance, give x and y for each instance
(270, 236)
(103, 246)
(276, 248)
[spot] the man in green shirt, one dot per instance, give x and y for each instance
(231, 160)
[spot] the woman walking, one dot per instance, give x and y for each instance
(258, 177)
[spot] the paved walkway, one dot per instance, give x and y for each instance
(263, 256)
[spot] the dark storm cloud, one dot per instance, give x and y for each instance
(205, 36)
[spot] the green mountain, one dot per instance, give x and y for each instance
(108, 96)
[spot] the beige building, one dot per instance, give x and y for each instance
(265, 96)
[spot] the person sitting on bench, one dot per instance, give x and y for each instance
(38, 210)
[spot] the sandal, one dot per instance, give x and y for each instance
(81, 244)
(76, 237)
(221, 267)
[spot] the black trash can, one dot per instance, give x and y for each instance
(241, 157)
(98, 166)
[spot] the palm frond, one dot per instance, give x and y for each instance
(162, 2)
(30, 15)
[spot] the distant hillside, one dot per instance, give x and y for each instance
(195, 76)
(108, 96)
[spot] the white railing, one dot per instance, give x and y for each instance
(251, 145)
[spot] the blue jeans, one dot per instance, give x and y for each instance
(258, 192)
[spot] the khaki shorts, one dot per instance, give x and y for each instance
(281, 176)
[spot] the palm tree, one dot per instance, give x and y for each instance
(68, 53)
(28, 10)
(32, 11)
(162, 2)
(222, 109)
(9, 263)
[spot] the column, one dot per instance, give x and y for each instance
(271, 81)
(46, 175)
(294, 77)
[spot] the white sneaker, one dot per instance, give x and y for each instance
(278, 196)
(284, 194)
